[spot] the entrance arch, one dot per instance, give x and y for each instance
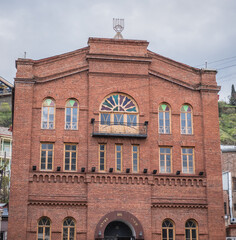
(119, 230)
(119, 225)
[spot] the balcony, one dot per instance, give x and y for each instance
(137, 130)
(4, 154)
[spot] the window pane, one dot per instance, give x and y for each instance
(187, 233)
(118, 148)
(47, 231)
(164, 233)
(50, 146)
(162, 150)
(135, 148)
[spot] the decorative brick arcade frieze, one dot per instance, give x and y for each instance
(107, 178)
(174, 205)
(56, 203)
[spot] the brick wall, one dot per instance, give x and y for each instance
(89, 75)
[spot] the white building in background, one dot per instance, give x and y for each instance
(229, 188)
(5, 149)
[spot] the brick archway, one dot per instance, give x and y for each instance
(122, 216)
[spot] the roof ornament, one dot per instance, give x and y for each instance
(118, 26)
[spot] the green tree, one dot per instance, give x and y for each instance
(5, 115)
(232, 99)
(4, 182)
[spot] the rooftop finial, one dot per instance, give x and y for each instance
(118, 26)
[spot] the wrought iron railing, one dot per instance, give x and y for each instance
(230, 238)
(5, 154)
(119, 129)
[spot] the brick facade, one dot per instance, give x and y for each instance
(94, 199)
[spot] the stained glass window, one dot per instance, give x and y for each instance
(119, 109)
(71, 112)
(164, 118)
(165, 160)
(186, 120)
(69, 229)
(191, 230)
(168, 230)
(119, 103)
(48, 113)
(44, 229)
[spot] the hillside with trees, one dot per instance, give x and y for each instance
(227, 115)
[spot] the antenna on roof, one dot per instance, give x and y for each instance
(24, 54)
(118, 26)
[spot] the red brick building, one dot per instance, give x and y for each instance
(113, 141)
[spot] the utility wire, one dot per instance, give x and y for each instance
(223, 59)
(227, 67)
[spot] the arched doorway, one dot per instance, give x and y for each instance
(121, 223)
(118, 230)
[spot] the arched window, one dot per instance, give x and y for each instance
(44, 229)
(120, 112)
(68, 229)
(71, 115)
(168, 231)
(186, 119)
(164, 118)
(191, 230)
(48, 114)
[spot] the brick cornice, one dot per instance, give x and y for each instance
(197, 87)
(123, 58)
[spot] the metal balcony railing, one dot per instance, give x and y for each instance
(230, 238)
(2, 154)
(111, 129)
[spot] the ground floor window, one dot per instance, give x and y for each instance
(167, 230)
(191, 230)
(44, 229)
(69, 229)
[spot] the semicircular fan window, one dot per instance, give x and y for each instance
(118, 103)
(119, 109)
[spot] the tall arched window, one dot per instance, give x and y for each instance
(48, 114)
(68, 229)
(71, 115)
(164, 118)
(186, 119)
(191, 230)
(44, 229)
(168, 231)
(119, 113)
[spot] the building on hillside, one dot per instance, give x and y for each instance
(113, 141)
(3, 220)
(229, 189)
(5, 149)
(5, 92)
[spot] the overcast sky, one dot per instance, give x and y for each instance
(187, 31)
